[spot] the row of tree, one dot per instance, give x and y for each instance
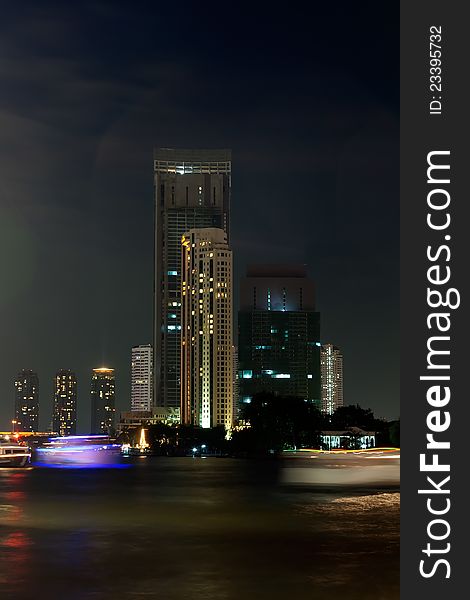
(276, 423)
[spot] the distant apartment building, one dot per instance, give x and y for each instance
(192, 190)
(331, 360)
(141, 378)
(206, 329)
(102, 401)
(26, 401)
(64, 413)
(279, 334)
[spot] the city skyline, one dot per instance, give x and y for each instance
(269, 287)
(193, 187)
(313, 180)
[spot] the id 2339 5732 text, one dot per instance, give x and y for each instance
(435, 70)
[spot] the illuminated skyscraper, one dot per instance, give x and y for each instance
(102, 401)
(207, 331)
(141, 378)
(331, 360)
(27, 401)
(192, 190)
(64, 416)
(279, 334)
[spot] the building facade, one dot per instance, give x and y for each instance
(331, 360)
(192, 190)
(207, 330)
(279, 334)
(141, 378)
(64, 413)
(130, 420)
(353, 438)
(102, 401)
(26, 401)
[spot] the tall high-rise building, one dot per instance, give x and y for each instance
(64, 414)
(192, 190)
(102, 401)
(207, 330)
(331, 360)
(141, 378)
(279, 334)
(27, 401)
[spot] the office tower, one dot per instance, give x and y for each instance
(141, 378)
(26, 401)
(102, 401)
(192, 190)
(331, 360)
(64, 414)
(279, 334)
(207, 332)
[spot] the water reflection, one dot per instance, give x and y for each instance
(212, 529)
(15, 543)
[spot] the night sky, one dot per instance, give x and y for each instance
(308, 103)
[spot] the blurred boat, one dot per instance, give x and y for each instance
(12, 453)
(363, 468)
(92, 451)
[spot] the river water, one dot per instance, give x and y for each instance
(200, 529)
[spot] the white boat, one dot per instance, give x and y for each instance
(13, 454)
